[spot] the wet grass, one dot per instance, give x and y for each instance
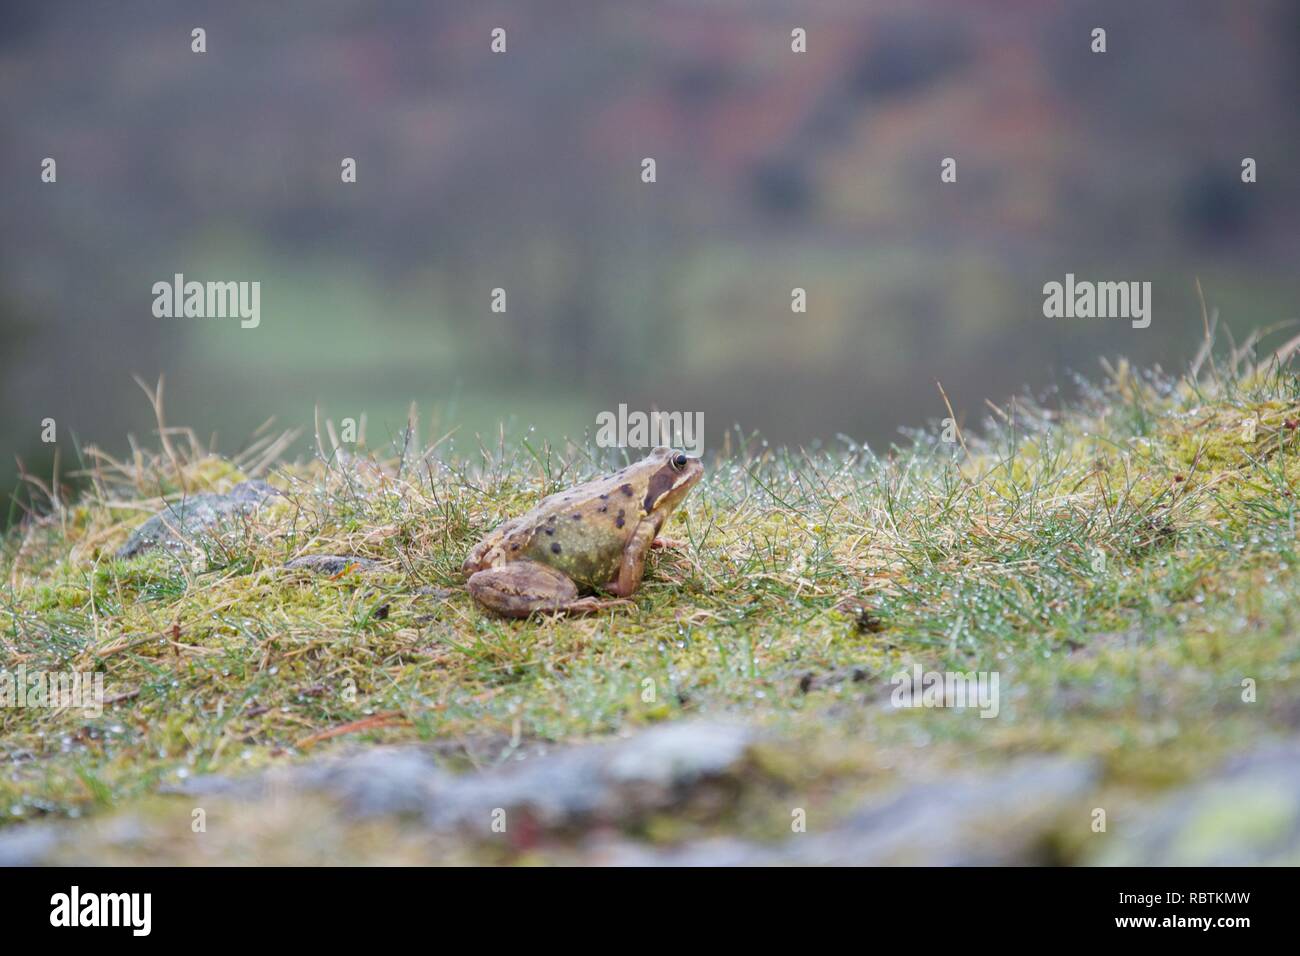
(1124, 564)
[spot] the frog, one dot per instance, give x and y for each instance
(590, 538)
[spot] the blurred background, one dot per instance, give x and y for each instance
(522, 171)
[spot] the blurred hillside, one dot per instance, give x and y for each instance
(775, 170)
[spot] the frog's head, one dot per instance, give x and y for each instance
(670, 476)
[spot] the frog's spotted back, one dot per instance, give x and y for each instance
(596, 534)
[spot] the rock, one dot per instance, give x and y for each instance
(1245, 814)
(992, 816)
(385, 780)
(600, 783)
(175, 527)
(587, 784)
(677, 755)
(331, 564)
(995, 816)
(28, 845)
(594, 794)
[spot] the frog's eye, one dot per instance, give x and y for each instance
(679, 461)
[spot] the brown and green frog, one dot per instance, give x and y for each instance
(593, 537)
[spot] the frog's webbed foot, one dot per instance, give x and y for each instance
(521, 588)
(674, 543)
(592, 605)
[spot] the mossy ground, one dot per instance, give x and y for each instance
(1124, 564)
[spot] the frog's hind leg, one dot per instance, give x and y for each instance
(520, 588)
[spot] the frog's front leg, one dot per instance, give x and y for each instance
(519, 588)
(632, 566)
